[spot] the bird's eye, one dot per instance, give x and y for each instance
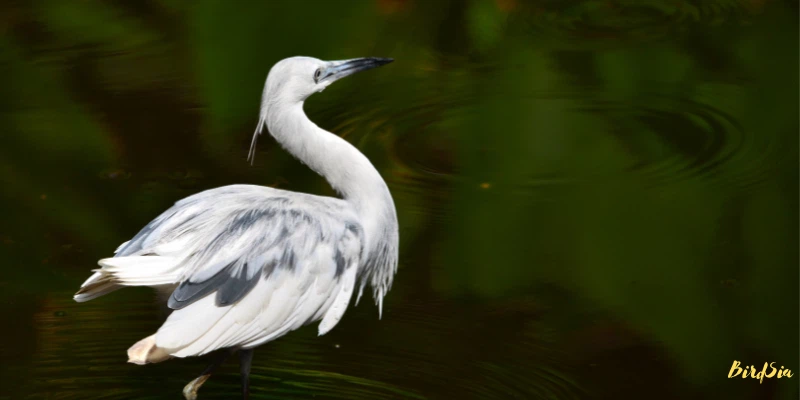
(317, 74)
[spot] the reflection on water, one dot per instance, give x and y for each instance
(81, 354)
(597, 199)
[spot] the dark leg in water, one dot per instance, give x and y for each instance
(190, 390)
(245, 360)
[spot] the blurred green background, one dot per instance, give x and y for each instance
(598, 199)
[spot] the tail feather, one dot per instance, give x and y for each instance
(95, 290)
(118, 272)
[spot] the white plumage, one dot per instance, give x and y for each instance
(246, 264)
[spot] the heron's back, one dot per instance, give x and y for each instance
(251, 264)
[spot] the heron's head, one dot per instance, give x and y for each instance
(296, 78)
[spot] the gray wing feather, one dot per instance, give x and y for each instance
(231, 284)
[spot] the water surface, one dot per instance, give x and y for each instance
(597, 199)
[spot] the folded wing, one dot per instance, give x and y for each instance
(248, 267)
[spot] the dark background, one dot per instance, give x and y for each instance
(597, 199)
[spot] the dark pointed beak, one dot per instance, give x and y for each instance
(340, 69)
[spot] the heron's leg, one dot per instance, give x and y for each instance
(245, 360)
(190, 390)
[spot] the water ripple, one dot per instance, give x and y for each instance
(674, 139)
(478, 354)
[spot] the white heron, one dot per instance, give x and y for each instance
(244, 264)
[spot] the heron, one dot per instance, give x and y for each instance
(242, 265)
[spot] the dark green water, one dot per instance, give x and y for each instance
(597, 199)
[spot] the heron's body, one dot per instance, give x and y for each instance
(246, 264)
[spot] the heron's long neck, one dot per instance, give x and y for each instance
(347, 170)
